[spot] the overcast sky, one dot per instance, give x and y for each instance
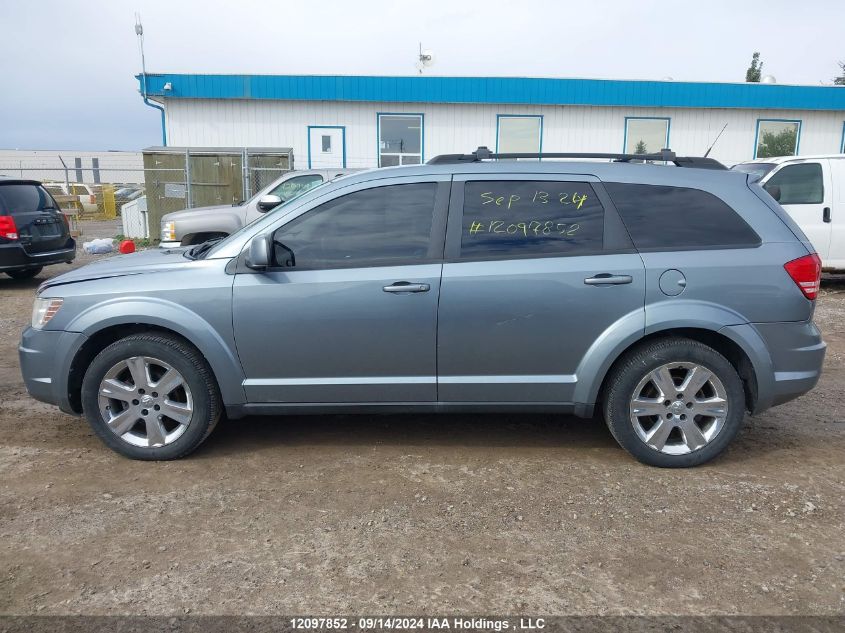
(66, 68)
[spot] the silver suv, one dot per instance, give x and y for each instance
(672, 299)
(195, 226)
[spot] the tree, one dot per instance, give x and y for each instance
(840, 80)
(641, 148)
(777, 144)
(755, 70)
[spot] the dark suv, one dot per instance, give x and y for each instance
(33, 232)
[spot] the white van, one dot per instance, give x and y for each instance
(812, 190)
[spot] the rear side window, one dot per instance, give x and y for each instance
(522, 218)
(23, 198)
(676, 218)
(799, 184)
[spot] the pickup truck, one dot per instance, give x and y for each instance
(195, 226)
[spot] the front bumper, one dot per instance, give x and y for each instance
(45, 358)
(14, 257)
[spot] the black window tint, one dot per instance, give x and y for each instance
(799, 184)
(674, 218)
(23, 198)
(521, 218)
(382, 225)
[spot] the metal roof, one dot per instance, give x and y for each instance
(499, 90)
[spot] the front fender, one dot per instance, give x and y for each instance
(217, 350)
(213, 222)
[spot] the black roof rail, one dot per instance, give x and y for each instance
(664, 155)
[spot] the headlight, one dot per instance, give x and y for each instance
(168, 231)
(43, 310)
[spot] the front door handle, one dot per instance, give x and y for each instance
(406, 286)
(826, 214)
(606, 279)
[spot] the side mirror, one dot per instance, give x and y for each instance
(773, 191)
(258, 257)
(268, 202)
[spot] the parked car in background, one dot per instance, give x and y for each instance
(194, 226)
(33, 231)
(812, 190)
(671, 299)
(84, 194)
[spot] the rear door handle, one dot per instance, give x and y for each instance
(405, 286)
(826, 214)
(606, 279)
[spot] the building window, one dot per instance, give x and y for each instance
(519, 134)
(400, 139)
(776, 137)
(645, 135)
(326, 142)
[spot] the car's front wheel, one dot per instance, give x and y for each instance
(674, 403)
(151, 397)
(25, 273)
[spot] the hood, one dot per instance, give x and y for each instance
(175, 216)
(152, 260)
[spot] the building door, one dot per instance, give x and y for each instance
(326, 146)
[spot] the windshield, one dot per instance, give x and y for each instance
(758, 169)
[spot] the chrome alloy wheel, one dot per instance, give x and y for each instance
(145, 402)
(679, 408)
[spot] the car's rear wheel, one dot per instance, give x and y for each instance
(674, 403)
(26, 273)
(151, 397)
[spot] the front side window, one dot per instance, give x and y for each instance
(400, 139)
(777, 138)
(504, 219)
(380, 226)
(519, 134)
(799, 184)
(296, 186)
(675, 218)
(646, 135)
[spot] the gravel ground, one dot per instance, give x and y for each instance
(420, 514)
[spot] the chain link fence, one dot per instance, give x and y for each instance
(97, 186)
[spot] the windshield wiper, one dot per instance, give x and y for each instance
(201, 249)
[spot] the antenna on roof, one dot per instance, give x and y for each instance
(425, 59)
(707, 153)
(139, 31)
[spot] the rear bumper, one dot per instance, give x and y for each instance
(175, 244)
(45, 358)
(14, 257)
(788, 361)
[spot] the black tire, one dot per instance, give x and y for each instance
(635, 365)
(183, 357)
(26, 273)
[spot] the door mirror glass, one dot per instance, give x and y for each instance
(258, 257)
(773, 191)
(268, 202)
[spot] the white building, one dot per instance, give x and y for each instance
(353, 121)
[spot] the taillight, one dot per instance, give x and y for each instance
(92, 199)
(8, 228)
(807, 273)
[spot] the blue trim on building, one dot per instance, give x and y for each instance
(842, 146)
(519, 116)
(797, 138)
(651, 118)
(342, 129)
(505, 90)
(378, 133)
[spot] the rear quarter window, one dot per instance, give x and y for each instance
(678, 218)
